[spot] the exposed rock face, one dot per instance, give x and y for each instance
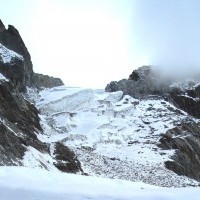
(11, 148)
(14, 71)
(142, 82)
(2, 27)
(47, 81)
(186, 102)
(19, 123)
(185, 139)
(11, 39)
(66, 159)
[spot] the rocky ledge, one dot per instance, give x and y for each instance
(185, 140)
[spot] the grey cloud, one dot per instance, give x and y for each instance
(168, 31)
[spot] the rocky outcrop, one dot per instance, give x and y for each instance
(66, 159)
(44, 81)
(142, 82)
(19, 122)
(12, 68)
(187, 101)
(185, 140)
(11, 39)
(11, 148)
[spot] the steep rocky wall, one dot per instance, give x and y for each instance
(141, 83)
(11, 39)
(186, 100)
(185, 140)
(66, 159)
(19, 122)
(14, 71)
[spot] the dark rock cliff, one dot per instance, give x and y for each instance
(19, 123)
(11, 39)
(187, 100)
(185, 140)
(141, 83)
(66, 159)
(14, 71)
(46, 81)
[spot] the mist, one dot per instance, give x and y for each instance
(167, 34)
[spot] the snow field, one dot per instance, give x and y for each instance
(19, 183)
(113, 135)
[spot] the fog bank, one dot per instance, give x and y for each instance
(167, 33)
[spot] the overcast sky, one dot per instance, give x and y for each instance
(89, 43)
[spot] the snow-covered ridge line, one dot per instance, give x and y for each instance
(7, 55)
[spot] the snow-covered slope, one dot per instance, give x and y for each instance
(113, 135)
(18, 183)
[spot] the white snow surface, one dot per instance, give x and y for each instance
(113, 135)
(2, 77)
(7, 55)
(18, 183)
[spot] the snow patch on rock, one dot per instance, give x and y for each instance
(7, 55)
